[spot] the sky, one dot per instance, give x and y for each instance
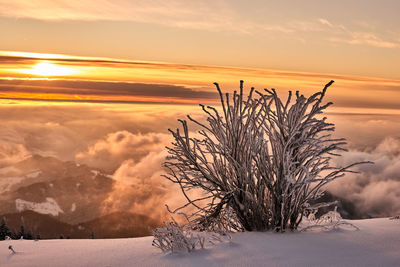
(358, 37)
(79, 77)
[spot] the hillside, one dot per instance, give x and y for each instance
(377, 243)
(71, 193)
(114, 225)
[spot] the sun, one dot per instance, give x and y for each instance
(45, 68)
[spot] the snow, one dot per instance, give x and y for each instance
(33, 174)
(8, 169)
(48, 207)
(10, 176)
(6, 183)
(96, 173)
(377, 243)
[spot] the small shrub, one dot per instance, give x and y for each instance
(175, 237)
(331, 220)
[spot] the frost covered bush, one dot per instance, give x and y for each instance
(329, 221)
(259, 161)
(175, 237)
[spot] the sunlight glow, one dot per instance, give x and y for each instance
(35, 55)
(48, 69)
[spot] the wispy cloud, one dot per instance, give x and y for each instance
(204, 15)
(342, 34)
(216, 16)
(210, 15)
(325, 22)
(361, 38)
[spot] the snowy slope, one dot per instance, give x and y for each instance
(6, 183)
(50, 206)
(377, 243)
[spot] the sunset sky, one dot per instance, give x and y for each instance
(97, 69)
(185, 46)
(358, 37)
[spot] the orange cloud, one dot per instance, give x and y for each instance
(110, 80)
(110, 152)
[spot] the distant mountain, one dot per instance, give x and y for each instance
(114, 225)
(44, 225)
(70, 192)
(119, 225)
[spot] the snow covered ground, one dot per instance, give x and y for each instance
(377, 243)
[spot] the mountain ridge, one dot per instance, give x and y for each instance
(113, 225)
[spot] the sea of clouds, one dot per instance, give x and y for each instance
(128, 142)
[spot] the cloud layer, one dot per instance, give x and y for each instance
(376, 190)
(102, 91)
(117, 147)
(128, 142)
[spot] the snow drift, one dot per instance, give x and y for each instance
(377, 243)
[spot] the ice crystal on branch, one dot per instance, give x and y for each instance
(258, 162)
